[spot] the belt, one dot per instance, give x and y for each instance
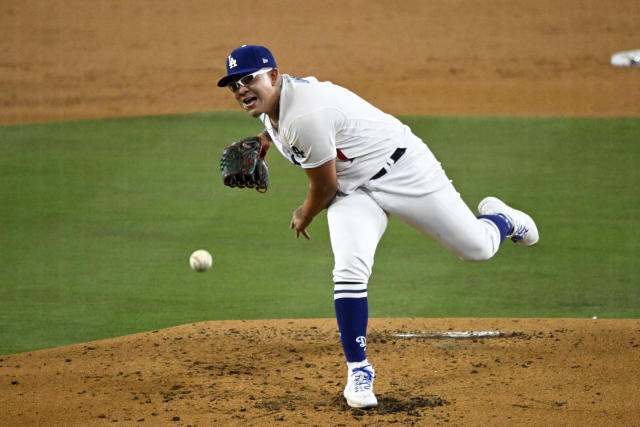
(394, 157)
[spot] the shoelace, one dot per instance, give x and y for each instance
(519, 233)
(363, 378)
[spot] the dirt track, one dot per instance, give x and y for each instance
(66, 60)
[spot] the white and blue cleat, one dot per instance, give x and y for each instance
(359, 389)
(524, 230)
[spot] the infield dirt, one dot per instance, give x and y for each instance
(67, 60)
(291, 372)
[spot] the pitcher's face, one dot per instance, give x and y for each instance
(258, 92)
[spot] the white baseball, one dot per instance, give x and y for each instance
(200, 260)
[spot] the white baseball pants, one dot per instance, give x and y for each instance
(358, 220)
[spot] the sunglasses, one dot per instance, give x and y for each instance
(246, 80)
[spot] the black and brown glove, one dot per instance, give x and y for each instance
(242, 165)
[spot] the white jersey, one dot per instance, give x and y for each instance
(320, 121)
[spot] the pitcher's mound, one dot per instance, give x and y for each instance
(292, 372)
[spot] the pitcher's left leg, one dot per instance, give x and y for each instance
(356, 224)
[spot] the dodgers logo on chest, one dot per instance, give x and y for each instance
(298, 152)
(295, 153)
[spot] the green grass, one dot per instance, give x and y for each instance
(98, 218)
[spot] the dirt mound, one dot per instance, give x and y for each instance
(292, 372)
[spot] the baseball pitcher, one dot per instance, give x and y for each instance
(363, 165)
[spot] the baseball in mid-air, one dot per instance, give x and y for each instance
(200, 260)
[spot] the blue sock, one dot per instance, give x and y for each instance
(503, 224)
(352, 313)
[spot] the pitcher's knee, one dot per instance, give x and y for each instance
(350, 276)
(353, 271)
(476, 252)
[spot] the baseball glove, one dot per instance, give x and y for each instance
(242, 165)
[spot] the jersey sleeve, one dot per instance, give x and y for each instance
(313, 137)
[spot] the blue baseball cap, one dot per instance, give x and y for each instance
(246, 60)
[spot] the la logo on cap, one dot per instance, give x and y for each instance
(232, 62)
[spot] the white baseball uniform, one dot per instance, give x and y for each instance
(382, 168)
